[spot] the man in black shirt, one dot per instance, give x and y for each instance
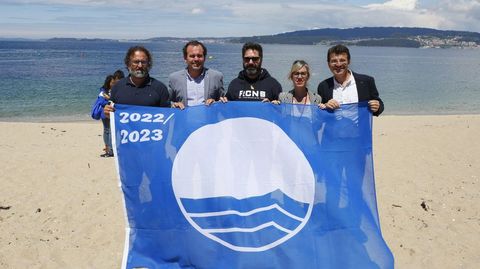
(138, 88)
(253, 83)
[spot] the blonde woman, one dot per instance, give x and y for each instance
(299, 75)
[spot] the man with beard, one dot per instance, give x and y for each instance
(138, 88)
(195, 84)
(346, 86)
(253, 83)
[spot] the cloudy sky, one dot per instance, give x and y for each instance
(132, 19)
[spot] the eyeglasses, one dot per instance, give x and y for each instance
(253, 59)
(138, 62)
(300, 74)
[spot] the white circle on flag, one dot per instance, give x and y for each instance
(243, 183)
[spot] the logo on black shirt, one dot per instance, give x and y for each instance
(252, 94)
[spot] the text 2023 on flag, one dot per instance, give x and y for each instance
(249, 185)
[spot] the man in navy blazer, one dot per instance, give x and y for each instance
(195, 84)
(346, 86)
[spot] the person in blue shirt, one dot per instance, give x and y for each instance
(138, 88)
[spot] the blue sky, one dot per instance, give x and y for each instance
(131, 19)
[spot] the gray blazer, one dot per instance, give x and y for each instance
(177, 85)
(286, 97)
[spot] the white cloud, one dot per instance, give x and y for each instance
(219, 18)
(459, 6)
(197, 11)
(395, 4)
(298, 16)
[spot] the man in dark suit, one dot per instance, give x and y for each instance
(195, 84)
(346, 86)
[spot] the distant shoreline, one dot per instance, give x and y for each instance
(406, 37)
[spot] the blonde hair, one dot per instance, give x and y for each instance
(297, 65)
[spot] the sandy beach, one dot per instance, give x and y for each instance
(61, 207)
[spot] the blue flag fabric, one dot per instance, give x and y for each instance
(248, 185)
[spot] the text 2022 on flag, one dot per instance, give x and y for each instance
(249, 185)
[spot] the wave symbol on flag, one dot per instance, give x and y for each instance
(247, 186)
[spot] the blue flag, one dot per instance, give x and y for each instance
(248, 185)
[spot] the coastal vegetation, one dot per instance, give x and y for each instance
(373, 36)
(412, 37)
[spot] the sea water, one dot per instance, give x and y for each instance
(59, 80)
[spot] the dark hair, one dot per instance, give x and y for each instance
(132, 50)
(252, 46)
(118, 74)
(338, 49)
(194, 43)
(106, 84)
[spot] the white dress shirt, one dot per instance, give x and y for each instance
(347, 93)
(195, 90)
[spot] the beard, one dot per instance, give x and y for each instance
(252, 71)
(138, 73)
